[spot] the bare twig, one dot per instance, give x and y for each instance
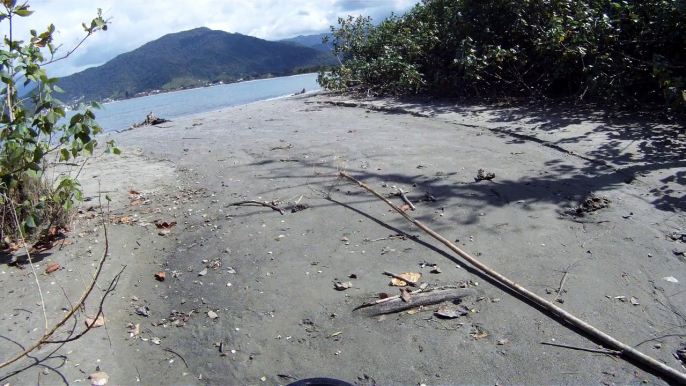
(408, 281)
(252, 202)
(28, 255)
(595, 350)
(418, 300)
(178, 355)
(627, 351)
(405, 199)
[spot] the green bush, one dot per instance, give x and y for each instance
(626, 53)
(34, 133)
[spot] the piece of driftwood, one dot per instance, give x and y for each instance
(252, 202)
(419, 299)
(627, 352)
(405, 199)
(408, 281)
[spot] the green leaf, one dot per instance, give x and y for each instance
(30, 221)
(116, 151)
(57, 89)
(64, 155)
(23, 12)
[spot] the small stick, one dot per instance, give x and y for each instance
(191, 138)
(282, 147)
(404, 197)
(408, 281)
(252, 202)
(562, 283)
(178, 355)
(424, 299)
(595, 350)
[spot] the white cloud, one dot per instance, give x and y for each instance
(136, 22)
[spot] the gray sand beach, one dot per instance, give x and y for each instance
(261, 284)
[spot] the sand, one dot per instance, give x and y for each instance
(271, 277)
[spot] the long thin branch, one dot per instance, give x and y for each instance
(627, 351)
(253, 202)
(28, 254)
(71, 312)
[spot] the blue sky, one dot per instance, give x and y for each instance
(136, 22)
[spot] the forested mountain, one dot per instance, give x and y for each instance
(189, 59)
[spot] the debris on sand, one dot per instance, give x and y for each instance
(481, 175)
(150, 120)
(592, 204)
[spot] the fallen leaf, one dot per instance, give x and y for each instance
(342, 286)
(405, 295)
(125, 219)
(477, 335)
(133, 192)
(135, 330)
(136, 202)
(99, 379)
(203, 272)
(213, 315)
(449, 311)
(670, 279)
(95, 323)
(413, 311)
(161, 276)
(335, 334)
(91, 216)
(503, 341)
(164, 225)
(412, 276)
(51, 268)
(635, 301)
(405, 208)
(164, 232)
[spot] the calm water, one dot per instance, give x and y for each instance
(122, 114)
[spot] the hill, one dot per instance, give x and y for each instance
(189, 59)
(312, 41)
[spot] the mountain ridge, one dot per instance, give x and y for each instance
(187, 59)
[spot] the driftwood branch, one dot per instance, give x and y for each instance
(627, 351)
(408, 281)
(420, 299)
(252, 202)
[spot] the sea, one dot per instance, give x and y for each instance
(120, 115)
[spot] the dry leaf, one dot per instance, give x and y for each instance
(164, 232)
(136, 202)
(125, 219)
(635, 301)
(90, 216)
(335, 334)
(503, 341)
(51, 268)
(405, 295)
(448, 311)
(412, 276)
(133, 192)
(95, 323)
(213, 315)
(405, 208)
(161, 276)
(164, 225)
(99, 379)
(135, 330)
(342, 286)
(413, 311)
(478, 335)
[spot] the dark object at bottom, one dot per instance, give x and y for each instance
(319, 382)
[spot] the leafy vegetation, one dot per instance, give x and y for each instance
(35, 134)
(626, 53)
(189, 57)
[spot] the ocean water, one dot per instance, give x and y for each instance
(121, 115)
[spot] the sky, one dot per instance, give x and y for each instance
(136, 22)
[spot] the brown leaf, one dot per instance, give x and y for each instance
(405, 295)
(479, 335)
(412, 311)
(413, 276)
(133, 192)
(405, 208)
(90, 216)
(125, 219)
(51, 268)
(161, 276)
(95, 323)
(165, 225)
(136, 202)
